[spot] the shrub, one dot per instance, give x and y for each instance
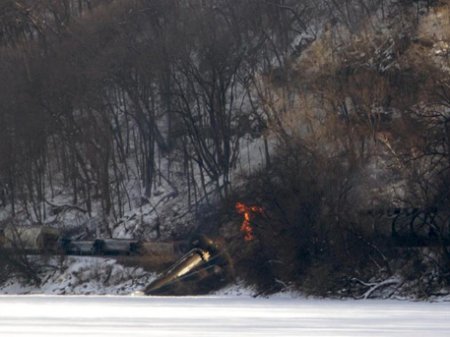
(306, 236)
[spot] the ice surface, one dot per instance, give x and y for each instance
(217, 316)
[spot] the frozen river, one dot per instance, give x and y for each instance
(217, 316)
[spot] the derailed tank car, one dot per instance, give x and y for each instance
(33, 239)
(161, 248)
(204, 268)
(42, 239)
(99, 247)
(120, 247)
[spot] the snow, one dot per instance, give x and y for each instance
(217, 316)
(82, 275)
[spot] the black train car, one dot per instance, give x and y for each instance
(80, 247)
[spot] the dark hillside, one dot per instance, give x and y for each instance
(150, 119)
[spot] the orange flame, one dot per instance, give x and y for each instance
(247, 211)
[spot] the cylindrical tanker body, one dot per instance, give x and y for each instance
(186, 264)
(31, 238)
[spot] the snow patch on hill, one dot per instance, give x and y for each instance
(77, 275)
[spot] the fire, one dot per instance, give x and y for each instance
(247, 211)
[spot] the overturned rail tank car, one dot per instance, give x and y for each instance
(204, 268)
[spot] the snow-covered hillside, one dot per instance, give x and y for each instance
(82, 276)
(151, 120)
